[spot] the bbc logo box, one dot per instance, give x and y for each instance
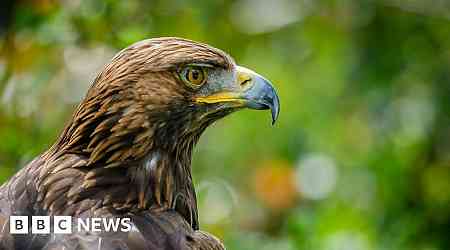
(40, 225)
(18, 224)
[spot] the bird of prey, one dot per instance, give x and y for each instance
(126, 152)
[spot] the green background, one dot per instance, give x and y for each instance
(360, 156)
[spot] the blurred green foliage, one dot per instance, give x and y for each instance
(360, 158)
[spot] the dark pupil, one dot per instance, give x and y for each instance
(195, 74)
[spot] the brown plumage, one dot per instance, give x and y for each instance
(127, 149)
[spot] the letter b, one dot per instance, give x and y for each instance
(40, 224)
(18, 224)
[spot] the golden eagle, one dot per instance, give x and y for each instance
(126, 152)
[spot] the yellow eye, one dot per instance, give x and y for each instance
(194, 76)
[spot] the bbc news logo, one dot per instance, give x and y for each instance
(66, 225)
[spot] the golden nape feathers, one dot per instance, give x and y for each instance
(127, 149)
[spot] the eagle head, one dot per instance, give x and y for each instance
(166, 89)
(129, 143)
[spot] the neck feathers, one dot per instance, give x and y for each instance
(122, 158)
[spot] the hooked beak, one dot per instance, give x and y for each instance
(250, 90)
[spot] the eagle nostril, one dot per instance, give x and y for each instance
(245, 82)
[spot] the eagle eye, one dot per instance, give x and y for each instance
(193, 76)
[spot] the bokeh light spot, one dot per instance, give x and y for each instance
(316, 176)
(216, 200)
(274, 184)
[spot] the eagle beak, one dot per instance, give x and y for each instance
(250, 90)
(258, 92)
